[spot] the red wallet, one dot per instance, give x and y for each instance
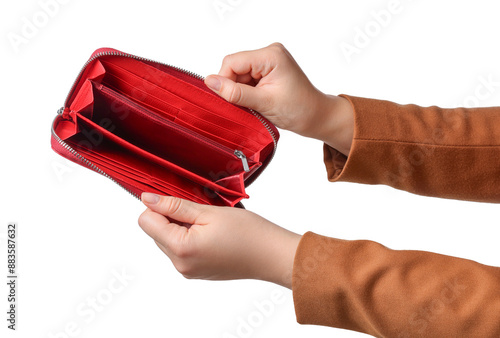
(149, 126)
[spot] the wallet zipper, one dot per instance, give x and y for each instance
(92, 166)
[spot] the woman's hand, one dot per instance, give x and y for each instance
(269, 81)
(219, 243)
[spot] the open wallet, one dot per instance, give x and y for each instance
(152, 127)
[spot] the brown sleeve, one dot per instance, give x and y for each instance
(450, 153)
(366, 287)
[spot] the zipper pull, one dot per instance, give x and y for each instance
(239, 154)
(66, 113)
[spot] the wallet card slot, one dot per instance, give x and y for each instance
(128, 171)
(215, 124)
(162, 186)
(106, 154)
(164, 138)
(139, 94)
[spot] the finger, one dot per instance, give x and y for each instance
(258, 63)
(159, 228)
(246, 79)
(238, 93)
(173, 207)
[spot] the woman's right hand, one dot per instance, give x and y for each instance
(269, 81)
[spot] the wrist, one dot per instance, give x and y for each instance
(274, 260)
(285, 255)
(334, 122)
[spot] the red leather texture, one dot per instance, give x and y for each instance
(152, 127)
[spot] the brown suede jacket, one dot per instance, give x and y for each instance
(366, 287)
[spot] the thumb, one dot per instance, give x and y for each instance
(176, 208)
(237, 93)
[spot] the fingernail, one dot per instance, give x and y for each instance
(213, 83)
(150, 198)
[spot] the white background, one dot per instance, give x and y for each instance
(76, 227)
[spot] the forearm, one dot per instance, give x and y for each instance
(366, 287)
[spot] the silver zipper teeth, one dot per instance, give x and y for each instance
(194, 75)
(88, 163)
(269, 129)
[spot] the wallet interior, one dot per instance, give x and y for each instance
(154, 128)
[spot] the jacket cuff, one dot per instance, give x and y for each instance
(326, 288)
(379, 128)
(315, 268)
(337, 164)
